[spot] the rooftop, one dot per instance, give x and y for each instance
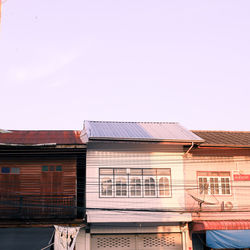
(138, 131)
(31, 137)
(224, 138)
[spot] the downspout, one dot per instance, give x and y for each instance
(192, 145)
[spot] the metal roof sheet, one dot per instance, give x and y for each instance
(40, 137)
(142, 131)
(224, 138)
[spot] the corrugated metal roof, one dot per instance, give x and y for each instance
(141, 131)
(40, 137)
(224, 138)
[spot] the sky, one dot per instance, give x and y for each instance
(63, 62)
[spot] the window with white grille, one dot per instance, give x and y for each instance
(214, 183)
(106, 186)
(121, 186)
(135, 186)
(128, 182)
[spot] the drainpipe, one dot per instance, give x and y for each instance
(184, 232)
(192, 145)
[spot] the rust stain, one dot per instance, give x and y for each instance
(41, 136)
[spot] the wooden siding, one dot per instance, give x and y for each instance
(30, 176)
(33, 193)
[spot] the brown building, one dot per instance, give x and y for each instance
(39, 185)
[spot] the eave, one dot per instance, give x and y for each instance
(147, 140)
(223, 146)
(18, 149)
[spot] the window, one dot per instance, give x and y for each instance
(45, 168)
(106, 186)
(15, 170)
(214, 183)
(135, 186)
(163, 183)
(120, 186)
(135, 182)
(106, 180)
(59, 168)
(52, 180)
(5, 170)
(132, 182)
(10, 180)
(149, 186)
(51, 168)
(8, 170)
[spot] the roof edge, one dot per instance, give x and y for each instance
(141, 139)
(223, 145)
(221, 131)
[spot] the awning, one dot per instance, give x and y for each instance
(228, 239)
(119, 216)
(221, 225)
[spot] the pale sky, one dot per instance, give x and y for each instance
(63, 62)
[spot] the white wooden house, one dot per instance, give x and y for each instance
(135, 185)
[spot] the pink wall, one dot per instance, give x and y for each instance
(234, 161)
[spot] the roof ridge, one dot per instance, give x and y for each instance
(131, 122)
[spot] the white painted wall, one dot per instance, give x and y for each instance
(132, 155)
(81, 240)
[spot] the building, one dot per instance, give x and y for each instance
(134, 193)
(39, 185)
(129, 185)
(217, 177)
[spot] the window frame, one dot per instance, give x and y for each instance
(121, 185)
(112, 186)
(144, 186)
(203, 175)
(116, 173)
(169, 186)
(10, 170)
(140, 177)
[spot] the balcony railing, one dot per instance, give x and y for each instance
(37, 206)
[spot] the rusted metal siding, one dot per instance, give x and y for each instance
(41, 137)
(33, 193)
(30, 176)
